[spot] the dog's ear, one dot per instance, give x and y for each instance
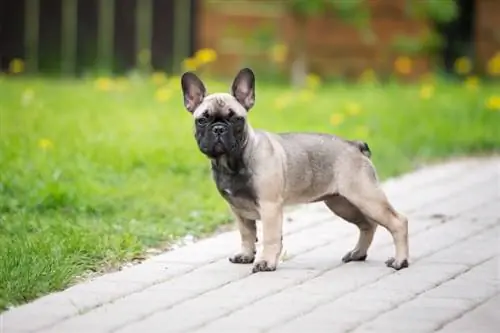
(193, 90)
(243, 88)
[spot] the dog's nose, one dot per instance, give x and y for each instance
(219, 129)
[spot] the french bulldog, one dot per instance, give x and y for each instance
(258, 173)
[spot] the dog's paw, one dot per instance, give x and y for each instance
(263, 266)
(242, 258)
(354, 255)
(397, 264)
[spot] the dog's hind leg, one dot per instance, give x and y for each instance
(364, 192)
(343, 208)
(368, 197)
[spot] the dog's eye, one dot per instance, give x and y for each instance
(202, 120)
(230, 112)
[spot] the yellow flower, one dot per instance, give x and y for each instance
(368, 76)
(190, 64)
(403, 65)
(159, 78)
(426, 91)
(103, 83)
(16, 66)
(463, 65)
(163, 94)
(493, 66)
(353, 108)
(472, 82)
(45, 144)
(336, 119)
(205, 56)
(313, 81)
(361, 132)
(493, 103)
(279, 53)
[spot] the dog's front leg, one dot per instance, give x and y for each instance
(248, 233)
(272, 232)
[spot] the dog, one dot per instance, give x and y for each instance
(258, 173)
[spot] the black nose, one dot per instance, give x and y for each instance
(219, 129)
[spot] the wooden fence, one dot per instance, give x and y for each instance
(74, 36)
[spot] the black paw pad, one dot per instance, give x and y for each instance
(263, 266)
(391, 262)
(242, 259)
(353, 256)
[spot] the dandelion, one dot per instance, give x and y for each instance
(313, 81)
(45, 144)
(463, 65)
(158, 78)
(472, 83)
(163, 94)
(103, 83)
(190, 64)
(279, 53)
(403, 65)
(205, 56)
(336, 119)
(353, 108)
(493, 66)
(493, 103)
(16, 66)
(368, 76)
(426, 91)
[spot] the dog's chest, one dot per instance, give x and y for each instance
(237, 189)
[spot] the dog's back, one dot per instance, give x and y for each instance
(314, 161)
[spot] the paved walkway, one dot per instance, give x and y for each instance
(451, 286)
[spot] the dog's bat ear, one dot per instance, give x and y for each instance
(193, 90)
(243, 88)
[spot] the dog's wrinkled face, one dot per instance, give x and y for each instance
(220, 118)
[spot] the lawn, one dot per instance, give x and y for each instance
(94, 172)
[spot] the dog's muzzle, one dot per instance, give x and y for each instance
(219, 130)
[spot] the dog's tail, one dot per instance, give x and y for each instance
(363, 147)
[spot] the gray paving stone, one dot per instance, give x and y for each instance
(429, 309)
(395, 288)
(483, 318)
(219, 301)
(434, 193)
(455, 266)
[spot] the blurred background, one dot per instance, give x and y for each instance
(286, 39)
(98, 164)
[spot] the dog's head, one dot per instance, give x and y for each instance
(220, 118)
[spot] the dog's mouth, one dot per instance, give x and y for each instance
(219, 147)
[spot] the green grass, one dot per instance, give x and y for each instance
(122, 171)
